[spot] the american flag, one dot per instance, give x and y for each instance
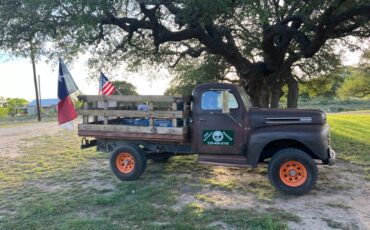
(105, 86)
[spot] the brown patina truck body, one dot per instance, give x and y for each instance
(217, 122)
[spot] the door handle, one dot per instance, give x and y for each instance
(202, 119)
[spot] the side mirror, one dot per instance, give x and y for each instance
(225, 101)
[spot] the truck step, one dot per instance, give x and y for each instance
(223, 160)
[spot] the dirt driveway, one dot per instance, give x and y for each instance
(340, 200)
(11, 136)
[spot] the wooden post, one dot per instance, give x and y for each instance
(85, 118)
(151, 119)
(151, 106)
(174, 108)
(95, 106)
(105, 108)
(184, 120)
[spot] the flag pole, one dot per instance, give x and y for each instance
(118, 92)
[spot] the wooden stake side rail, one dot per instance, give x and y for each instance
(131, 98)
(177, 134)
(139, 129)
(129, 113)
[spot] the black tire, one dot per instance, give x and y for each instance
(292, 171)
(133, 162)
(160, 158)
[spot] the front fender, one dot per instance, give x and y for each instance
(314, 137)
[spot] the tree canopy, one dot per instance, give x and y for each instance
(191, 73)
(268, 43)
(125, 88)
(326, 85)
(357, 84)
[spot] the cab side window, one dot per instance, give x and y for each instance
(211, 100)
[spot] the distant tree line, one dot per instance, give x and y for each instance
(343, 83)
(9, 106)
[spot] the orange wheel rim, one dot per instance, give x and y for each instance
(293, 173)
(125, 162)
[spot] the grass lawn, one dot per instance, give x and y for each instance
(350, 134)
(55, 185)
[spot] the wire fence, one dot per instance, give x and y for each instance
(25, 118)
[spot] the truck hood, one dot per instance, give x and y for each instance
(260, 117)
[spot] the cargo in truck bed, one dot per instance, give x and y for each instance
(165, 118)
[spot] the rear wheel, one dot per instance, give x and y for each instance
(292, 171)
(127, 162)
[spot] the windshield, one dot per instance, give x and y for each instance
(245, 98)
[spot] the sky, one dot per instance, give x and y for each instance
(16, 78)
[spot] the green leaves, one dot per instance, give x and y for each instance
(125, 88)
(11, 105)
(356, 85)
(4, 112)
(192, 73)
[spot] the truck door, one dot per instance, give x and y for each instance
(218, 122)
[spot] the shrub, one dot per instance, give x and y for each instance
(4, 112)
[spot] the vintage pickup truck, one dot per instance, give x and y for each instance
(218, 123)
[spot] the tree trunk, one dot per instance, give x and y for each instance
(35, 81)
(275, 97)
(265, 88)
(293, 91)
(259, 93)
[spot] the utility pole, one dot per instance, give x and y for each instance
(39, 90)
(33, 61)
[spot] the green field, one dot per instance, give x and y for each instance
(55, 185)
(350, 134)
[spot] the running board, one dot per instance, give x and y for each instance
(223, 160)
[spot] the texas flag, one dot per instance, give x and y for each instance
(66, 86)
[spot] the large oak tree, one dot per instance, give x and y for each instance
(266, 42)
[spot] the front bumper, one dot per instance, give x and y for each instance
(332, 157)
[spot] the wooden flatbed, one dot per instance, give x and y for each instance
(103, 117)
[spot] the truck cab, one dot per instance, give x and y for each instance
(220, 119)
(223, 128)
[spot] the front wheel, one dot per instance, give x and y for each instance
(127, 162)
(292, 171)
